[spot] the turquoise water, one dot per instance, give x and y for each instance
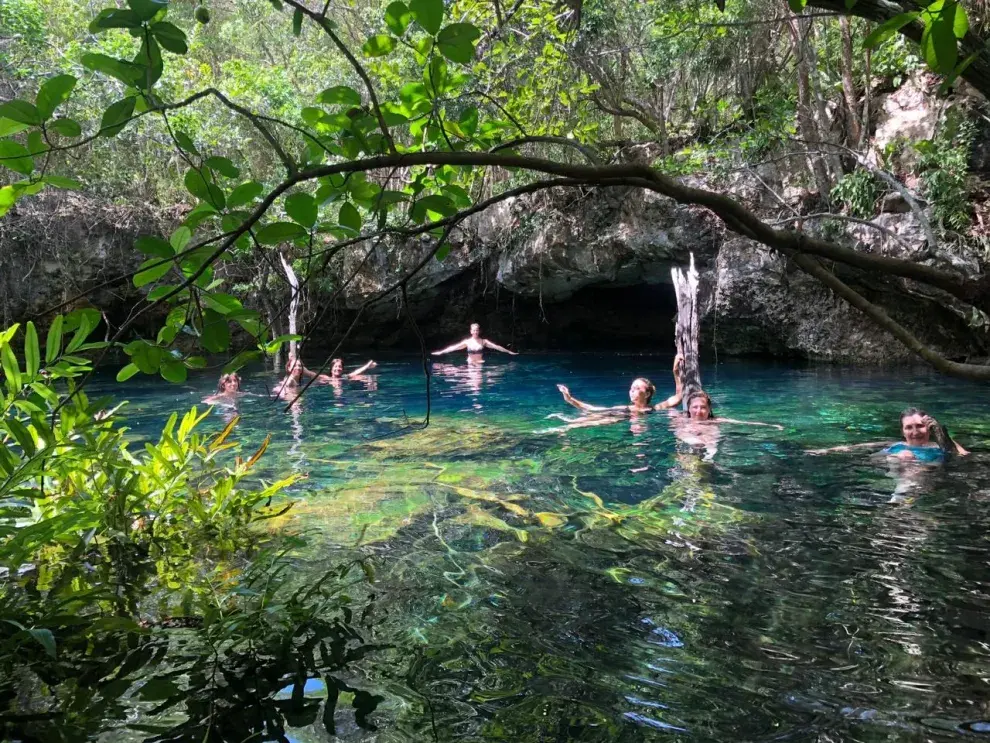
(611, 583)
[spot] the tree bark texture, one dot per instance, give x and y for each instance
(293, 303)
(688, 326)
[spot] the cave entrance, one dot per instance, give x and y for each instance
(630, 318)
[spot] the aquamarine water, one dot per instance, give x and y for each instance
(612, 584)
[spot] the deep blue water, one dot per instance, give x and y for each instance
(610, 583)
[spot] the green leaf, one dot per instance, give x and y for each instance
(179, 239)
(85, 320)
(8, 196)
(850, 4)
(888, 28)
(297, 19)
(201, 189)
(240, 360)
(938, 42)
(32, 351)
(340, 94)
(435, 203)
(960, 21)
(185, 143)
(428, 14)
(152, 270)
(222, 303)
(45, 638)
(797, 5)
(195, 362)
(66, 127)
(11, 370)
(126, 72)
(378, 46)
(114, 18)
(349, 217)
(53, 93)
(150, 57)
(397, 17)
(468, 121)
(216, 333)
(8, 127)
(58, 181)
(16, 156)
(456, 42)
(244, 193)
(223, 166)
(116, 117)
(53, 344)
(279, 232)
(170, 37)
(302, 208)
(127, 372)
(173, 370)
(154, 246)
(20, 111)
(442, 252)
(147, 9)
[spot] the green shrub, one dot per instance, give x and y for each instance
(944, 164)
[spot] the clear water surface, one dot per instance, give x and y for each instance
(614, 584)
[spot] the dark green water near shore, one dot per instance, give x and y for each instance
(614, 584)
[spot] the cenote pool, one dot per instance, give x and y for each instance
(610, 584)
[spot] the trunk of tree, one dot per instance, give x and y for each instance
(832, 159)
(293, 303)
(688, 326)
(805, 113)
(848, 88)
(864, 130)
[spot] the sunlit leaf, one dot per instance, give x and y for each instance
(20, 111)
(116, 117)
(378, 46)
(342, 94)
(456, 42)
(302, 208)
(397, 17)
(53, 93)
(428, 14)
(887, 29)
(170, 37)
(349, 217)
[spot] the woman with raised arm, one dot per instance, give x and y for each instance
(228, 390)
(474, 344)
(337, 370)
(640, 396)
(918, 429)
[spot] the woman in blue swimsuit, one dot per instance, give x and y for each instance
(918, 429)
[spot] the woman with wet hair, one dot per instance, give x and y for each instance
(640, 396)
(228, 389)
(918, 429)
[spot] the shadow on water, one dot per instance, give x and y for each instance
(607, 585)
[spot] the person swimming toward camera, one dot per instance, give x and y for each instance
(474, 344)
(918, 429)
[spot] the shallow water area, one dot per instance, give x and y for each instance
(612, 583)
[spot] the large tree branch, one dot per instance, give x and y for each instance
(883, 320)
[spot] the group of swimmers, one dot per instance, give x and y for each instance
(925, 441)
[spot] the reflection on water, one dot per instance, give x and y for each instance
(628, 583)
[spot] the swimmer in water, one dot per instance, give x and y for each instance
(228, 390)
(288, 388)
(918, 429)
(474, 344)
(699, 427)
(640, 396)
(337, 370)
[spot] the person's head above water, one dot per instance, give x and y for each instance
(916, 427)
(699, 406)
(475, 330)
(641, 392)
(294, 367)
(229, 383)
(337, 368)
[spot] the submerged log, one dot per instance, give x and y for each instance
(688, 326)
